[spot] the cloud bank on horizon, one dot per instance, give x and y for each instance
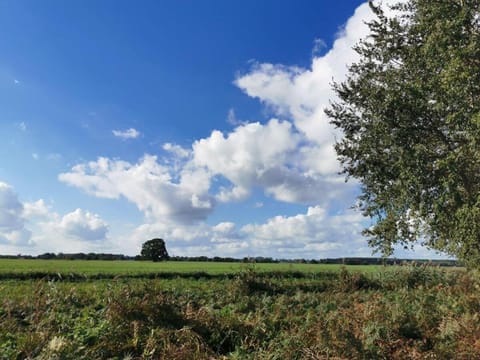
(289, 158)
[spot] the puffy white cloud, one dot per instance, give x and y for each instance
(36, 209)
(303, 94)
(251, 155)
(33, 227)
(126, 134)
(248, 149)
(12, 222)
(310, 235)
(83, 225)
(269, 157)
(225, 232)
(149, 185)
(11, 209)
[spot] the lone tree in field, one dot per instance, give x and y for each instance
(154, 250)
(410, 113)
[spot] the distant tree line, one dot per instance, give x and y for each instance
(257, 259)
(83, 256)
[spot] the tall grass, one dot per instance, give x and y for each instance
(407, 313)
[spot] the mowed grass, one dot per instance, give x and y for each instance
(92, 267)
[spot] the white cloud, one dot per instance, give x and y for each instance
(232, 118)
(83, 225)
(246, 155)
(225, 232)
(177, 150)
(16, 82)
(318, 46)
(35, 156)
(310, 235)
(272, 157)
(126, 134)
(22, 126)
(12, 223)
(32, 227)
(36, 209)
(76, 231)
(149, 185)
(303, 94)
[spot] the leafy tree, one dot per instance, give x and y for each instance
(154, 250)
(410, 113)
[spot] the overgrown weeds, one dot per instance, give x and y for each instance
(415, 312)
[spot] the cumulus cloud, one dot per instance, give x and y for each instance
(309, 235)
(245, 155)
(76, 231)
(126, 134)
(149, 185)
(34, 227)
(303, 94)
(83, 225)
(36, 209)
(11, 208)
(12, 222)
(266, 156)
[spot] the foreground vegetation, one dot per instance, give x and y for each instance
(403, 313)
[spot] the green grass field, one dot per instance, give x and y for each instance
(93, 267)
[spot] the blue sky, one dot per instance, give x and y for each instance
(200, 122)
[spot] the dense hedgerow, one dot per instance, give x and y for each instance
(400, 313)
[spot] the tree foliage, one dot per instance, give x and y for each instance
(410, 113)
(154, 250)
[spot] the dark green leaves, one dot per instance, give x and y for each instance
(410, 113)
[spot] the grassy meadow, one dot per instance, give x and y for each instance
(126, 268)
(261, 311)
